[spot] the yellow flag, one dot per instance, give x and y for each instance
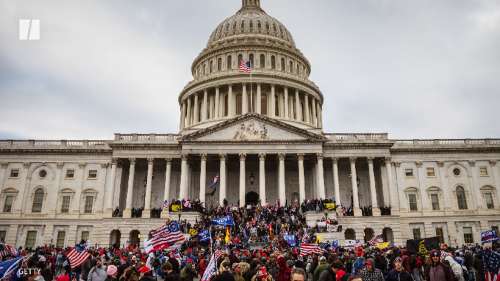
(382, 245)
(228, 235)
(319, 238)
(176, 208)
(329, 206)
(193, 232)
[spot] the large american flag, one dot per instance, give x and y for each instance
(7, 250)
(245, 66)
(164, 237)
(307, 249)
(77, 255)
(211, 269)
(375, 240)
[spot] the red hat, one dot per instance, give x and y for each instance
(144, 269)
(262, 272)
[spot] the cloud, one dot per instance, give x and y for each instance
(414, 69)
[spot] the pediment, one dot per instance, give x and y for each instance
(253, 128)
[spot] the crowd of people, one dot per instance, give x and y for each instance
(256, 248)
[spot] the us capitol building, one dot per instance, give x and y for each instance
(262, 134)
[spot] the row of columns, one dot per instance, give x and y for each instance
(183, 188)
(303, 109)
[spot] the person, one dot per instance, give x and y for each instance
(170, 274)
(298, 274)
(335, 272)
(238, 276)
(224, 273)
(455, 267)
(322, 266)
(438, 271)
(65, 274)
(97, 272)
(188, 272)
(370, 273)
(146, 274)
(398, 273)
(111, 271)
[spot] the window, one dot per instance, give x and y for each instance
(66, 199)
(440, 234)
(483, 171)
(488, 197)
(211, 67)
(240, 58)
(283, 64)
(416, 233)
(229, 63)
(60, 239)
(7, 206)
(250, 58)
(435, 202)
(92, 174)
(219, 64)
(262, 60)
(14, 173)
(468, 238)
(456, 172)
(37, 201)
(30, 239)
(409, 172)
(89, 202)
(85, 236)
(431, 172)
(273, 62)
(70, 173)
(290, 69)
(3, 233)
(412, 200)
(461, 199)
(42, 174)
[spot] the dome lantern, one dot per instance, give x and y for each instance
(250, 4)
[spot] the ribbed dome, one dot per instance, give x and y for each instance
(250, 20)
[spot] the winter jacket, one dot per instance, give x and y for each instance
(395, 275)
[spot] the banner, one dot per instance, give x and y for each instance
(330, 206)
(291, 240)
(224, 221)
(176, 208)
(352, 243)
(488, 236)
(332, 228)
(382, 245)
(204, 235)
(422, 246)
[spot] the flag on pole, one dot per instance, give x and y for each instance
(8, 267)
(213, 185)
(78, 255)
(7, 250)
(164, 237)
(245, 66)
(165, 204)
(307, 249)
(375, 240)
(211, 269)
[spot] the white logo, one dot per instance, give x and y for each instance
(29, 29)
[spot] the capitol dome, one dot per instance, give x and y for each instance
(277, 85)
(250, 20)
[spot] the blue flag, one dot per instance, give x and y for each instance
(291, 240)
(204, 235)
(224, 221)
(489, 236)
(9, 266)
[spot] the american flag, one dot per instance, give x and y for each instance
(78, 255)
(165, 204)
(211, 269)
(375, 240)
(7, 250)
(307, 249)
(245, 66)
(164, 237)
(491, 263)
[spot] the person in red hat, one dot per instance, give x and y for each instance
(146, 274)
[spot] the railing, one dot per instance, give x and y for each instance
(346, 137)
(447, 142)
(146, 138)
(53, 144)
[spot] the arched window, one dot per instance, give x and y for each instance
(350, 234)
(291, 67)
(204, 68)
(211, 66)
(219, 64)
(273, 62)
(461, 199)
(251, 26)
(262, 61)
(283, 64)
(37, 201)
(250, 58)
(369, 233)
(259, 26)
(240, 58)
(229, 63)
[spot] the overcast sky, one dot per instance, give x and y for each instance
(414, 69)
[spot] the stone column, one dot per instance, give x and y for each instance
(196, 110)
(3, 173)
(203, 177)
(444, 186)
(306, 108)
(183, 115)
(281, 180)
(111, 189)
(354, 184)
(188, 114)
(474, 187)
(393, 189)
(302, 182)
(272, 102)
(321, 179)
(336, 185)
(496, 178)
(262, 178)
(242, 179)
(320, 116)
(147, 199)
(298, 109)
(222, 189)
(217, 103)
(166, 191)
(373, 191)
(259, 100)
(286, 104)
(230, 100)
(421, 187)
(204, 108)
(314, 116)
(184, 178)
(244, 99)
(127, 213)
